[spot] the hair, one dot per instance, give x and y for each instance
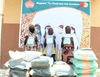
(31, 28)
(37, 25)
(47, 26)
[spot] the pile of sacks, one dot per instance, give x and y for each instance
(21, 62)
(32, 63)
(45, 68)
(63, 69)
(41, 67)
(84, 62)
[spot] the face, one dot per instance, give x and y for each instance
(31, 29)
(68, 29)
(47, 28)
(37, 29)
(50, 31)
(60, 29)
(72, 31)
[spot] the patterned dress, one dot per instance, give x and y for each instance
(67, 48)
(31, 42)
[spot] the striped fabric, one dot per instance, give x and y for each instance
(85, 54)
(82, 64)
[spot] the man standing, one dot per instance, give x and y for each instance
(58, 42)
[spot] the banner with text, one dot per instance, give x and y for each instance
(75, 13)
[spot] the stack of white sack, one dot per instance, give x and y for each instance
(41, 67)
(84, 62)
(63, 69)
(18, 65)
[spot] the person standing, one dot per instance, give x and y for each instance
(45, 33)
(50, 43)
(58, 42)
(38, 32)
(75, 38)
(31, 39)
(67, 45)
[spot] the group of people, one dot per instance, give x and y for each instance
(64, 41)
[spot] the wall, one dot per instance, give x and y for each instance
(10, 29)
(10, 37)
(95, 42)
(95, 28)
(12, 11)
(95, 13)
